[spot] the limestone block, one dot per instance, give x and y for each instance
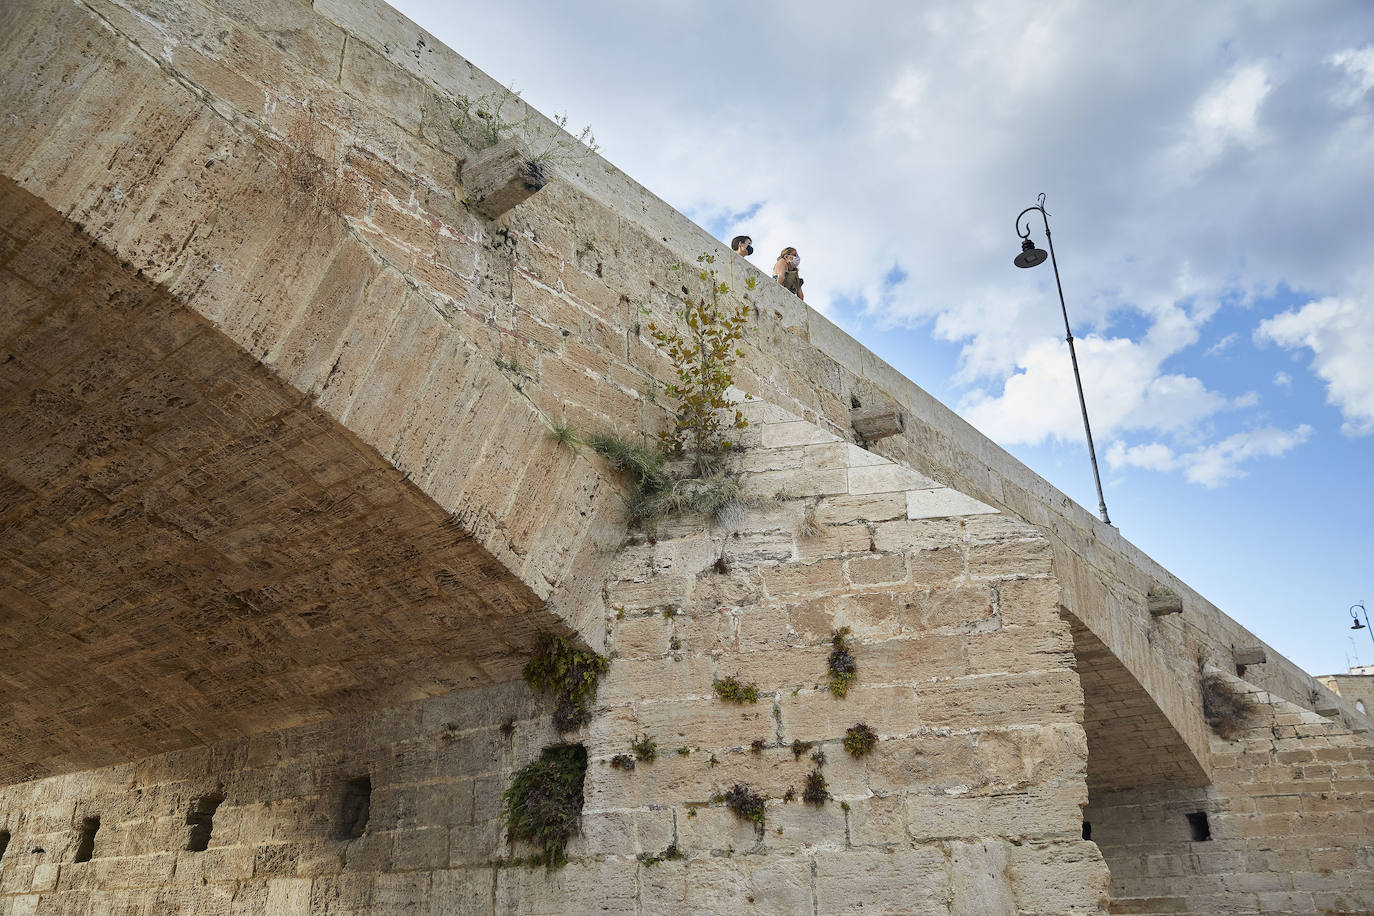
(732, 884)
(878, 820)
(846, 509)
(886, 570)
(462, 892)
(819, 716)
(424, 848)
(794, 432)
(707, 723)
(874, 423)
(934, 609)
(979, 882)
(833, 541)
(289, 896)
(910, 881)
(886, 478)
(1251, 655)
(1162, 604)
(805, 825)
(606, 886)
(1011, 559)
(915, 534)
(942, 502)
(501, 177)
(869, 616)
(405, 892)
(622, 833)
(628, 679)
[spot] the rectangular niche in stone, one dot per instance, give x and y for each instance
(201, 820)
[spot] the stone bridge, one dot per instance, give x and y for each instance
(276, 408)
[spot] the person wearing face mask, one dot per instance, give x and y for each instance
(743, 245)
(785, 272)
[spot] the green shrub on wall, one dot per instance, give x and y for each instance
(543, 805)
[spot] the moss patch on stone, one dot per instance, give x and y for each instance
(732, 690)
(841, 664)
(747, 804)
(814, 792)
(859, 740)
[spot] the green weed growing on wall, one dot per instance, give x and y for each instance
(543, 805)
(571, 674)
(841, 663)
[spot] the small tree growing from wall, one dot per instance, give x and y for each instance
(703, 356)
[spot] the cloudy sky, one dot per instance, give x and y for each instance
(1209, 174)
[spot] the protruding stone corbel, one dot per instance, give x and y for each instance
(1324, 704)
(1162, 600)
(1253, 655)
(873, 423)
(499, 178)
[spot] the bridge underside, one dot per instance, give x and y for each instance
(189, 550)
(1131, 743)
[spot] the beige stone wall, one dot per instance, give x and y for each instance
(437, 770)
(321, 278)
(970, 803)
(1291, 815)
(287, 174)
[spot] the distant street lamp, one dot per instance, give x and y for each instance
(1031, 256)
(1357, 625)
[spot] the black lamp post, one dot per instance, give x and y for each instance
(1356, 617)
(1031, 256)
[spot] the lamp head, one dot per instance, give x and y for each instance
(1030, 256)
(1357, 625)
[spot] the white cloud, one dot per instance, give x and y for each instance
(1283, 379)
(1155, 456)
(1358, 65)
(1215, 464)
(1222, 345)
(1229, 111)
(1123, 386)
(1226, 115)
(1340, 334)
(1211, 465)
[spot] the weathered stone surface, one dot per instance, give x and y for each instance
(500, 178)
(283, 175)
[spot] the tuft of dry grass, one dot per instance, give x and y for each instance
(307, 176)
(1226, 710)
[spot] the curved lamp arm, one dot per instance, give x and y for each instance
(1044, 218)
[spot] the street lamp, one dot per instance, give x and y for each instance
(1356, 617)
(1031, 256)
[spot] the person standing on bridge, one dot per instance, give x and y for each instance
(785, 272)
